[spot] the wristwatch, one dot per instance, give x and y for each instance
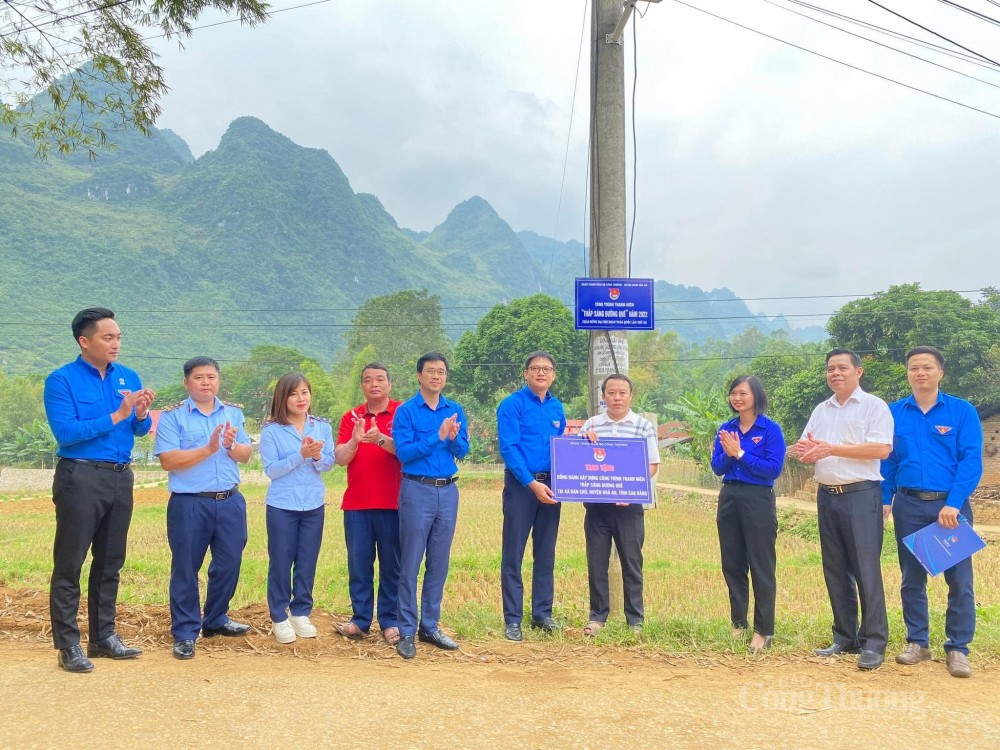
(740, 454)
(381, 441)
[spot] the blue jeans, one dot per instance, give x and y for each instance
(293, 541)
(910, 514)
(367, 534)
(427, 517)
(195, 525)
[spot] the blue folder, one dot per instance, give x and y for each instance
(938, 548)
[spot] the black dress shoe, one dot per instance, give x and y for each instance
(184, 650)
(870, 659)
(837, 648)
(112, 647)
(73, 659)
(231, 629)
(438, 638)
(406, 647)
(548, 624)
(513, 631)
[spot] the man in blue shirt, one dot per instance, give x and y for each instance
(201, 442)
(935, 465)
(526, 419)
(431, 434)
(96, 408)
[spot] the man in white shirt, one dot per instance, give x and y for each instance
(846, 437)
(622, 522)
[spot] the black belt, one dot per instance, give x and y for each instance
(432, 481)
(100, 464)
(926, 495)
(843, 489)
(540, 476)
(225, 494)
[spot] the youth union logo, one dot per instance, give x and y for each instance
(614, 292)
(600, 454)
(942, 429)
(757, 439)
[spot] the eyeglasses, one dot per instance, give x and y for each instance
(540, 370)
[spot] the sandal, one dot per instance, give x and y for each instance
(391, 635)
(593, 628)
(349, 630)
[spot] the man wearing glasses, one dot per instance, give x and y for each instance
(526, 420)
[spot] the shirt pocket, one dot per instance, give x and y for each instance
(192, 439)
(91, 405)
(854, 432)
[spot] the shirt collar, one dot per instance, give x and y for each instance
(442, 401)
(627, 419)
(90, 368)
(911, 400)
(855, 396)
(526, 389)
(192, 406)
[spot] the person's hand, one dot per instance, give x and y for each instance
(311, 448)
(371, 436)
(449, 428)
(229, 436)
(730, 442)
(358, 432)
(622, 505)
(948, 517)
(591, 436)
(124, 410)
(886, 512)
(543, 492)
(213, 441)
(819, 449)
(803, 446)
(143, 403)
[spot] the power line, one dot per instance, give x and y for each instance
(880, 44)
(931, 31)
(839, 62)
(970, 11)
(235, 20)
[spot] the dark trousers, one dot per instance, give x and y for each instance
(427, 517)
(195, 525)
(850, 537)
(93, 512)
(626, 525)
(747, 519)
(523, 514)
(367, 534)
(911, 514)
(293, 541)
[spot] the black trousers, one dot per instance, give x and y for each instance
(850, 537)
(93, 512)
(747, 520)
(626, 525)
(523, 514)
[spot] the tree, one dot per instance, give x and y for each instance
(702, 414)
(52, 54)
(250, 383)
(490, 359)
(396, 329)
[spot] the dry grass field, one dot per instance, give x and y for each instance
(686, 601)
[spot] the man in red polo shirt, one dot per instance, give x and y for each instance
(371, 518)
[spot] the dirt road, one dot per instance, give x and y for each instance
(561, 693)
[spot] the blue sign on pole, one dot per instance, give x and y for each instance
(614, 305)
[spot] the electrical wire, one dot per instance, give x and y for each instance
(839, 62)
(970, 11)
(931, 31)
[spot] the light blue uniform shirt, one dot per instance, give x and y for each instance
(78, 405)
(418, 447)
(185, 427)
(296, 483)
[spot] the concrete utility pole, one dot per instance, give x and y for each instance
(608, 256)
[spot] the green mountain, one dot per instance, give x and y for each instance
(260, 241)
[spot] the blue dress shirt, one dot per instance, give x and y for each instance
(185, 427)
(940, 451)
(524, 425)
(296, 483)
(764, 456)
(78, 406)
(418, 447)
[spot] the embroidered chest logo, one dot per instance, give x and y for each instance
(556, 423)
(123, 392)
(757, 439)
(943, 429)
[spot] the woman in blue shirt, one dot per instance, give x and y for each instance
(749, 454)
(295, 447)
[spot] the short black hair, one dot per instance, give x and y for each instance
(932, 350)
(756, 389)
(199, 362)
(855, 359)
(86, 321)
(617, 376)
(431, 357)
(375, 366)
(539, 355)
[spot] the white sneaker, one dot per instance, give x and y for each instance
(302, 626)
(283, 631)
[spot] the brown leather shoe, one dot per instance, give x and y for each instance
(914, 653)
(958, 664)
